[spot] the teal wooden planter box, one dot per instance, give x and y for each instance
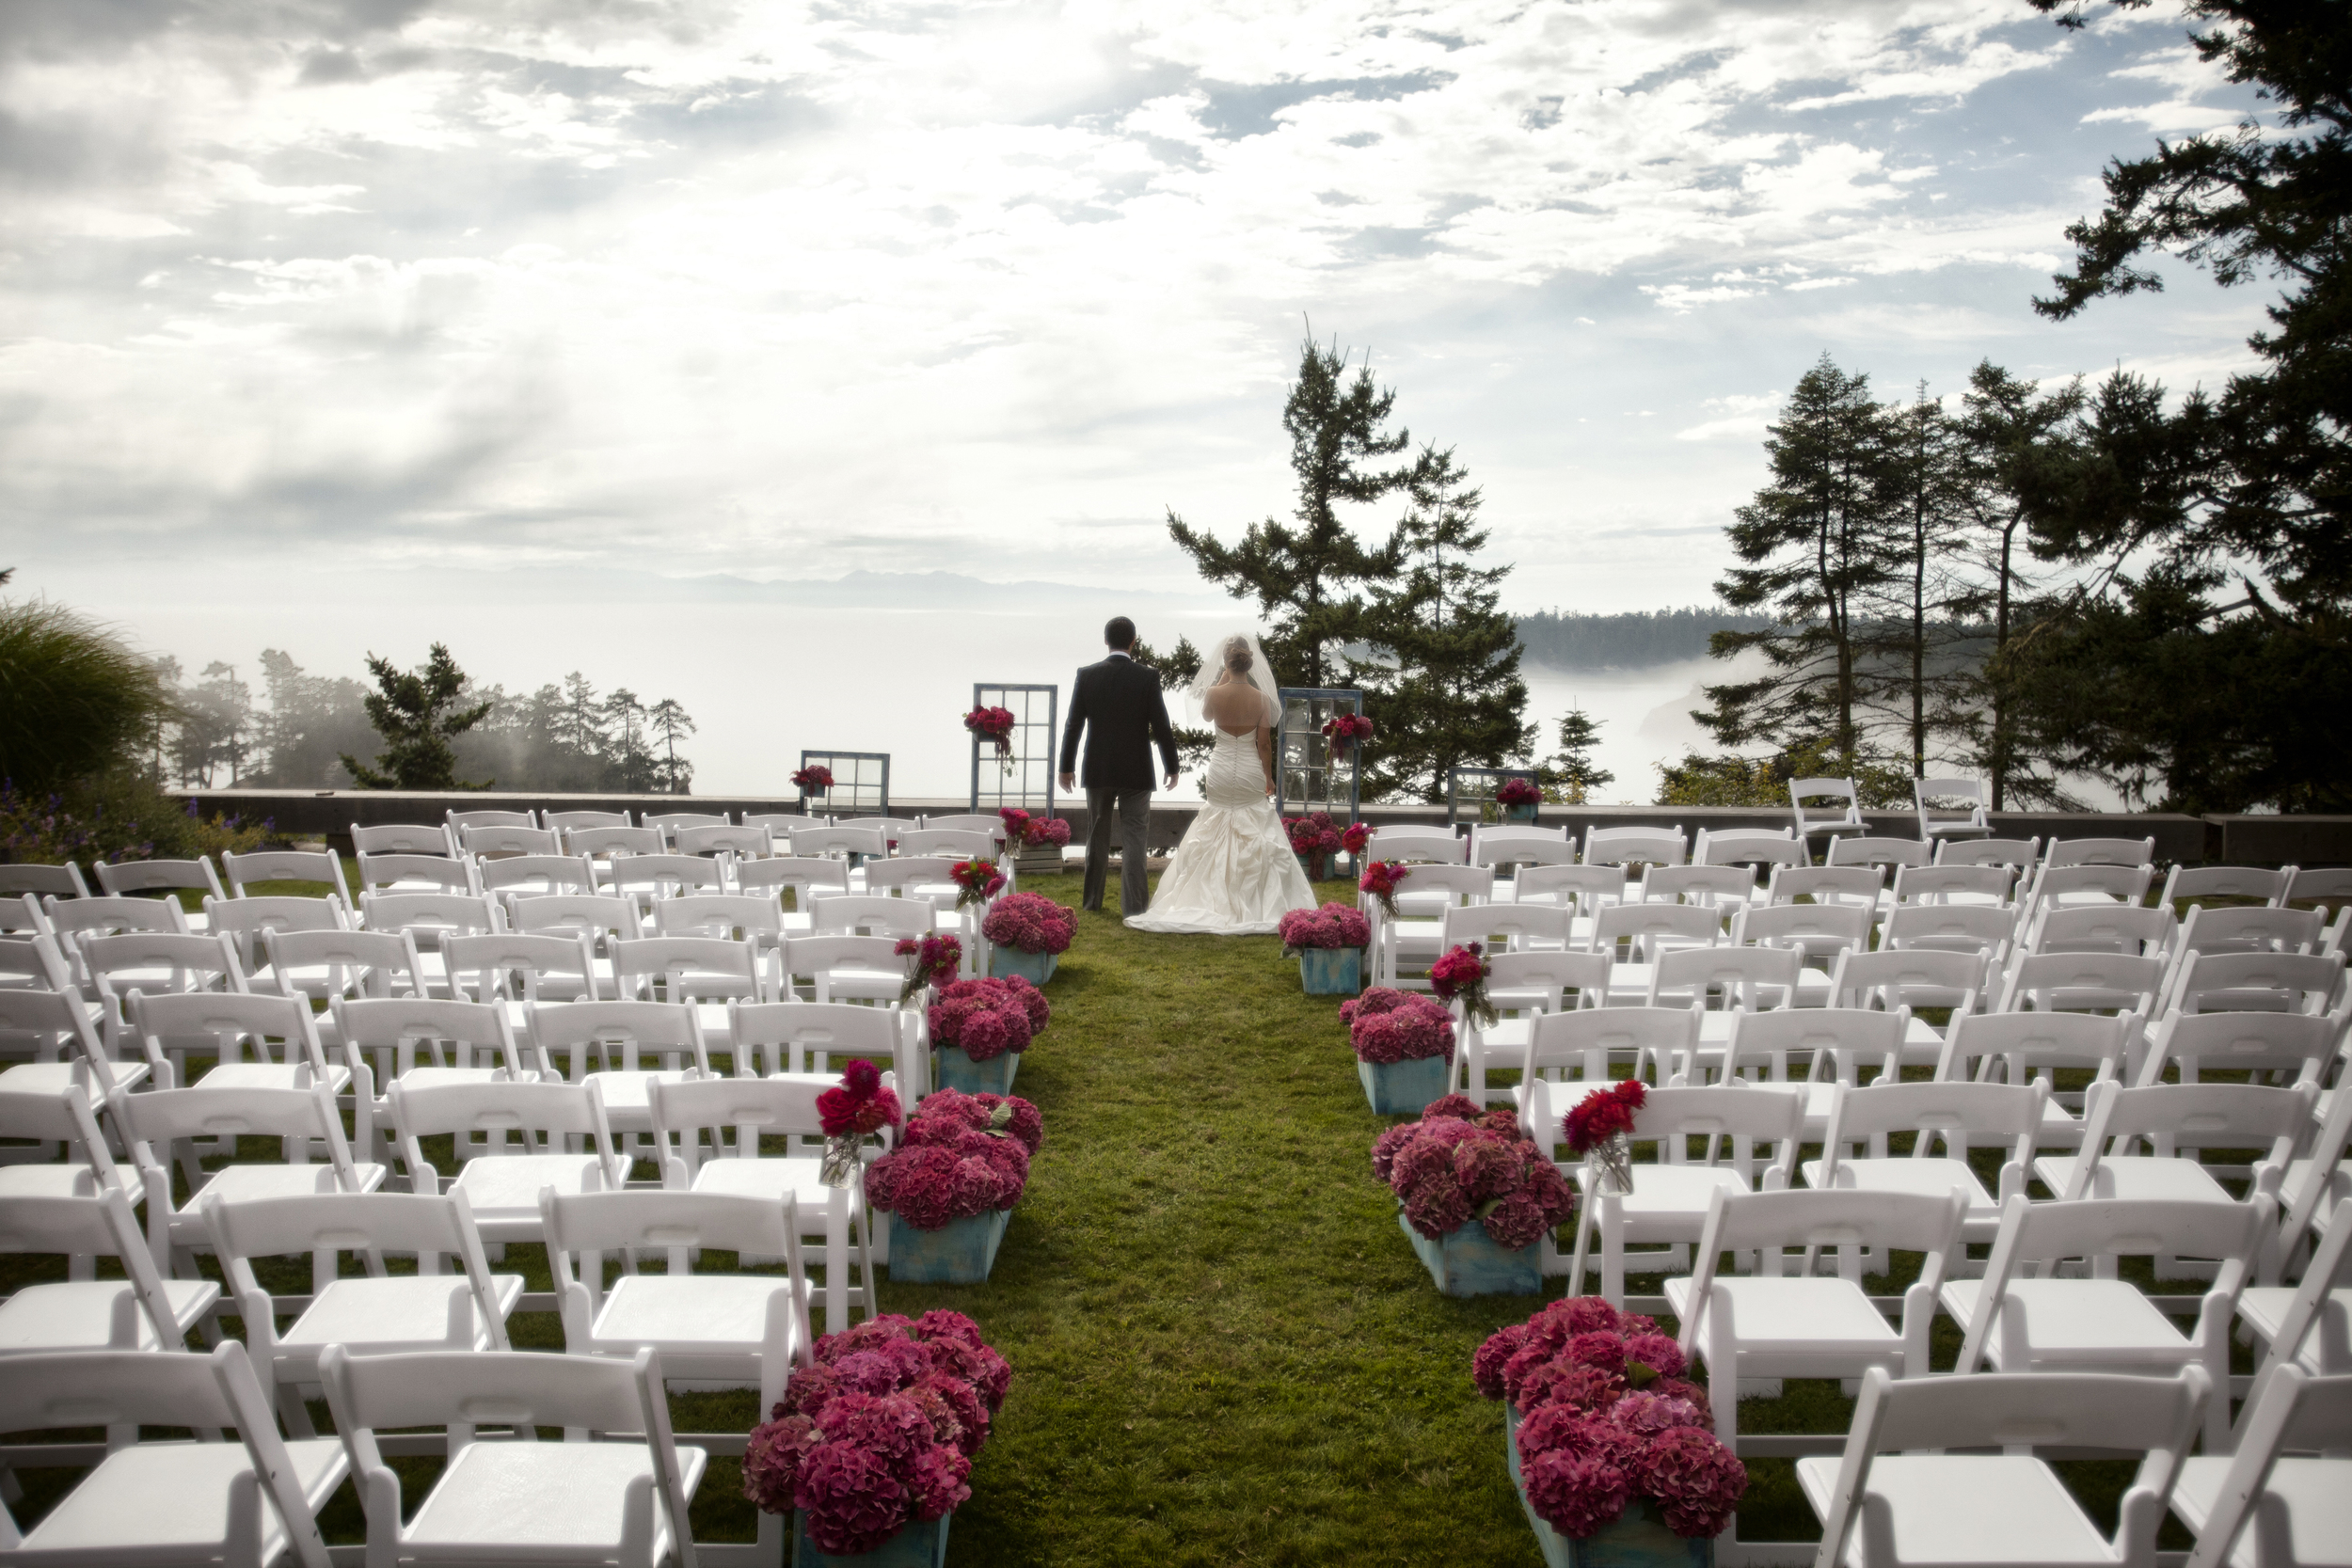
(1638, 1539)
(918, 1546)
(952, 1069)
(959, 1253)
(1316, 866)
(1331, 971)
(1404, 1088)
(1465, 1262)
(1518, 813)
(1036, 968)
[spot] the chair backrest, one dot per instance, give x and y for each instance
(592, 915)
(1405, 841)
(2125, 884)
(394, 873)
(127, 876)
(1817, 1220)
(1519, 847)
(522, 876)
(2073, 981)
(1845, 1036)
(1862, 849)
(1551, 970)
(2323, 884)
(2300, 1044)
(318, 866)
(21, 915)
(605, 843)
(124, 1390)
(2108, 928)
(1462, 884)
(2175, 1117)
(811, 1036)
(402, 838)
(822, 958)
(751, 1108)
(399, 1024)
(1498, 927)
(1941, 884)
(2101, 851)
(1965, 804)
(243, 920)
(1837, 803)
(1961, 1115)
(955, 842)
(1827, 884)
(97, 1224)
(876, 914)
(1816, 931)
(39, 961)
(900, 875)
(64, 1117)
(563, 821)
(625, 1033)
(2251, 930)
(839, 839)
(2220, 982)
(719, 914)
(1589, 1039)
(677, 969)
(804, 876)
(652, 878)
(2015, 1047)
(1743, 1113)
(159, 964)
(231, 1018)
(719, 838)
(155, 1119)
(1985, 928)
(504, 839)
(966, 822)
(1700, 884)
(1635, 846)
(669, 1224)
(545, 1113)
(1652, 927)
(1750, 977)
(1920, 976)
(2293, 1412)
(460, 820)
(2017, 853)
(517, 965)
(1749, 848)
(673, 821)
(1575, 887)
(343, 963)
(429, 1228)
(62, 881)
(2227, 881)
(60, 1019)
(433, 915)
(462, 1391)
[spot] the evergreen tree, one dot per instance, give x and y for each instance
(669, 722)
(1813, 541)
(629, 764)
(1441, 683)
(417, 714)
(1308, 578)
(1569, 775)
(1916, 669)
(1176, 670)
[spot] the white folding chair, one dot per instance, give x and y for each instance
(1827, 884)
(1941, 1472)
(839, 841)
(143, 1311)
(509, 1498)
(67, 1055)
(1834, 1044)
(603, 921)
(2060, 887)
(1982, 929)
(1864, 850)
(2322, 885)
(1913, 977)
(512, 970)
(1820, 931)
(156, 964)
(402, 838)
(233, 1021)
(512, 1140)
(846, 969)
(22, 878)
(629, 1037)
(467, 1043)
(2276, 1048)
(285, 865)
(1722, 981)
(2255, 930)
(719, 839)
(2076, 982)
(2283, 982)
(431, 919)
(2127, 929)
(378, 1313)
(2032, 1047)
(243, 920)
(2261, 883)
(514, 877)
(324, 965)
(2006, 1115)
(1843, 815)
(2019, 854)
(1947, 884)
(755, 917)
(803, 878)
(1583, 1044)
(1649, 931)
(649, 878)
(1963, 816)
(673, 822)
(52, 1121)
(1766, 850)
(2101, 851)
(492, 818)
(2309, 1323)
(1726, 885)
(2023, 1316)
(505, 838)
(123, 879)
(953, 843)
(566, 820)
(1521, 987)
(386, 872)
(873, 914)
(1635, 846)
(1405, 842)
(605, 845)
(811, 1039)
(2284, 1499)
(253, 1501)
(2180, 1120)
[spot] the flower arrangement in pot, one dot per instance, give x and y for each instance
(1599, 1127)
(1517, 799)
(1476, 1199)
(1030, 932)
(979, 1029)
(1460, 974)
(812, 780)
(951, 1183)
(1606, 1437)
(937, 961)
(859, 1107)
(977, 881)
(1381, 880)
(871, 1447)
(1329, 944)
(1404, 1047)
(993, 724)
(1313, 838)
(1347, 729)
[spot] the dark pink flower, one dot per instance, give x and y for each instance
(771, 1461)
(1561, 1381)
(1384, 1147)
(1646, 1413)
(1696, 1481)
(1437, 1206)
(936, 1477)
(1486, 1364)
(852, 1502)
(1455, 1107)
(1574, 1495)
(1485, 1169)
(1603, 1350)
(1658, 1352)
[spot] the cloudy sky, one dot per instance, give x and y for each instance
(294, 291)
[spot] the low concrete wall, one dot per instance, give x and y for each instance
(2189, 840)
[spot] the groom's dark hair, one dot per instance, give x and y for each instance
(1119, 633)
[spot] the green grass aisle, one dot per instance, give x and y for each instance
(1224, 1350)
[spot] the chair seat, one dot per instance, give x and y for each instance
(79, 1315)
(243, 1183)
(1792, 1316)
(74, 1180)
(2136, 1175)
(1967, 1508)
(2318, 1497)
(2077, 1325)
(773, 1177)
(503, 1189)
(170, 1502)
(539, 1501)
(273, 1075)
(439, 1077)
(1902, 1174)
(2262, 1308)
(2299, 1176)
(1661, 1194)
(689, 1315)
(628, 1102)
(55, 1078)
(383, 1317)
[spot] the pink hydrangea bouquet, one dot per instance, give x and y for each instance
(1022, 831)
(1030, 922)
(1461, 972)
(936, 960)
(1387, 1026)
(962, 1155)
(984, 1019)
(1517, 792)
(977, 881)
(1458, 1164)
(881, 1432)
(1380, 879)
(1355, 836)
(1312, 834)
(1332, 925)
(1607, 1417)
(1348, 729)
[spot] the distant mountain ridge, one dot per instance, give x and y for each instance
(1631, 640)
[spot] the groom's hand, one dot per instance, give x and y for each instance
(1069, 780)
(1171, 783)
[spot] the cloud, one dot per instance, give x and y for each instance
(1742, 417)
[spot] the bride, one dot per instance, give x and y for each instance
(1235, 873)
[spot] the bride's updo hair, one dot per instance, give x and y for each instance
(1235, 651)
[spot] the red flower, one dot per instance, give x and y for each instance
(1602, 1114)
(1517, 792)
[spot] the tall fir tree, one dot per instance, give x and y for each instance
(1441, 680)
(1918, 673)
(1310, 577)
(1569, 775)
(418, 712)
(669, 722)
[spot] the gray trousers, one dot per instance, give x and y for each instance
(1133, 807)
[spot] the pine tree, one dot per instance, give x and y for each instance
(1916, 669)
(630, 765)
(669, 722)
(416, 712)
(1442, 684)
(1569, 775)
(1308, 578)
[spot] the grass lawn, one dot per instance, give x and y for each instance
(1224, 1350)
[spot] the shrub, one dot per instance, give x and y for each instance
(74, 700)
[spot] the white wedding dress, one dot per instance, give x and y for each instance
(1235, 873)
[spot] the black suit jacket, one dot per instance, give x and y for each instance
(1118, 703)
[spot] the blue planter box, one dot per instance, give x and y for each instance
(918, 1546)
(959, 1253)
(1316, 867)
(1036, 968)
(1518, 813)
(952, 1069)
(1638, 1539)
(1402, 1089)
(1465, 1262)
(1331, 971)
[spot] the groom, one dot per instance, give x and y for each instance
(1118, 703)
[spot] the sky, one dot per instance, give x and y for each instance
(310, 310)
